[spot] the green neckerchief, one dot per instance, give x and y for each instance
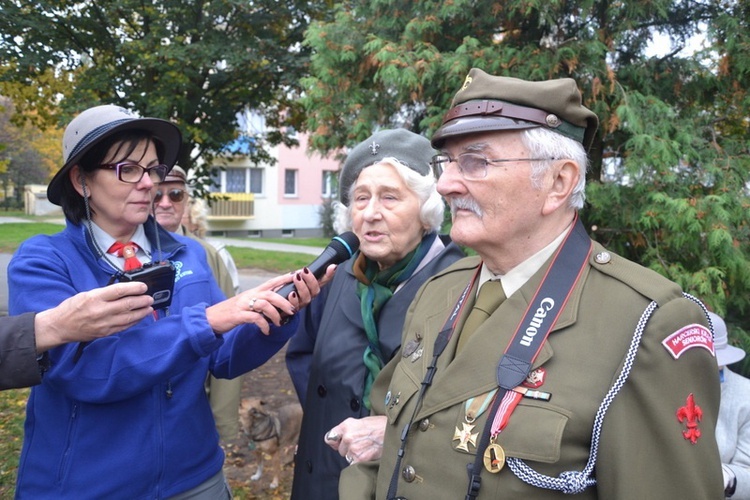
(374, 289)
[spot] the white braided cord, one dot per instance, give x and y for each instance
(574, 482)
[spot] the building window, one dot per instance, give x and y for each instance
(238, 180)
(256, 180)
(329, 189)
(290, 182)
(216, 181)
(235, 180)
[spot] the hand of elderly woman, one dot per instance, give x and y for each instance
(262, 305)
(358, 439)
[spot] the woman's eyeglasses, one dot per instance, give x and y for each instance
(175, 195)
(132, 173)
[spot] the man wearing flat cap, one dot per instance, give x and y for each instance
(171, 200)
(550, 366)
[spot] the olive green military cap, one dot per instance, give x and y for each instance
(486, 103)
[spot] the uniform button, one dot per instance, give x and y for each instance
(603, 258)
(409, 474)
(424, 424)
(354, 404)
(309, 465)
(322, 391)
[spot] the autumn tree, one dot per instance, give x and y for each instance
(197, 63)
(21, 160)
(669, 166)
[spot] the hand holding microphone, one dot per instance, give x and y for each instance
(341, 248)
(263, 302)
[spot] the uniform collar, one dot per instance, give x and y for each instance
(519, 275)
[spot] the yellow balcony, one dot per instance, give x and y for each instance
(232, 206)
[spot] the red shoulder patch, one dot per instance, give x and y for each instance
(687, 337)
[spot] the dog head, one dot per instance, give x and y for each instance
(255, 419)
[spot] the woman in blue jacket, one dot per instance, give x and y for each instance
(126, 416)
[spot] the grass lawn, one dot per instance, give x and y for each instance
(12, 412)
(15, 233)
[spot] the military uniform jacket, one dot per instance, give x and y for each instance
(642, 451)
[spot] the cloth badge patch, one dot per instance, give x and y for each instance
(687, 337)
(690, 414)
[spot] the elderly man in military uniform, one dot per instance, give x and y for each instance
(545, 366)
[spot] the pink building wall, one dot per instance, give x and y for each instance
(309, 166)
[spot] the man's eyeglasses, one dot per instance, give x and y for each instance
(472, 165)
(175, 195)
(132, 173)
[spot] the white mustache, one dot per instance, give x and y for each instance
(465, 203)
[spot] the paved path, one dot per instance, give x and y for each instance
(267, 245)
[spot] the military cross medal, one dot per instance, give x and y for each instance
(465, 437)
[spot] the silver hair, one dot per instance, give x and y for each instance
(543, 143)
(432, 206)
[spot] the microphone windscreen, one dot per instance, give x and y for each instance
(345, 244)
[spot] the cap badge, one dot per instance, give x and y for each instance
(553, 121)
(374, 148)
(466, 84)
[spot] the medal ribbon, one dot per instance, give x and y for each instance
(507, 406)
(475, 407)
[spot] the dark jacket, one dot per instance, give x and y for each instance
(18, 364)
(324, 359)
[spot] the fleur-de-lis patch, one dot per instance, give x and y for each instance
(690, 414)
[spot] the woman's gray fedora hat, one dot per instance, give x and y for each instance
(97, 123)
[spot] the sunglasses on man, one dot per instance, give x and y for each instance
(175, 195)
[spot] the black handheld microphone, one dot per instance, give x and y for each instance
(338, 250)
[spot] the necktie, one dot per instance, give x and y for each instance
(490, 296)
(126, 250)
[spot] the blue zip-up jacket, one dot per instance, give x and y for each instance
(129, 418)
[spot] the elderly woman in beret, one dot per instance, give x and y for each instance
(389, 200)
(126, 416)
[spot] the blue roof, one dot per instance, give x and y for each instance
(243, 145)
